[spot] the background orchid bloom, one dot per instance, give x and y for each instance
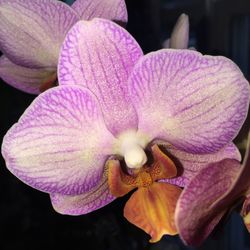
(114, 107)
(180, 35)
(210, 195)
(31, 34)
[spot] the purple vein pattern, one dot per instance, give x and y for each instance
(190, 164)
(112, 99)
(194, 102)
(70, 120)
(85, 203)
(100, 56)
(111, 9)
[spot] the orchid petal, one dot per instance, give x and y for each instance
(208, 197)
(198, 210)
(31, 32)
(100, 55)
(180, 35)
(190, 164)
(197, 103)
(113, 9)
(84, 203)
(25, 79)
(60, 144)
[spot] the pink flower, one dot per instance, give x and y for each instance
(166, 117)
(32, 32)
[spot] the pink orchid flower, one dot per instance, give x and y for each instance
(32, 32)
(120, 120)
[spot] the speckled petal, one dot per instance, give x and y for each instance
(60, 144)
(197, 103)
(112, 9)
(31, 32)
(180, 35)
(206, 199)
(84, 203)
(100, 55)
(190, 164)
(23, 78)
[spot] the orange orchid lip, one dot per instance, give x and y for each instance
(151, 207)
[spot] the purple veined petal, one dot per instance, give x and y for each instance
(100, 55)
(197, 103)
(190, 164)
(60, 144)
(222, 184)
(31, 32)
(23, 78)
(198, 210)
(113, 9)
(92, 200)
(180, 34)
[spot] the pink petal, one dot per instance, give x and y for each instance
(85, 203)
(190, 164)
(205, 200)
(197, 103)
(23, 78)
(209, 196)
(100, 55)
(60, 144)
(180, 34)
(112, 9)
(31, 32)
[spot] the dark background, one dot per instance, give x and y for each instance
(27, 219)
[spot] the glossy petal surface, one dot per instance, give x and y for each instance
(205, 200)
(180, 35)
(112, 9)
(23, 78)
(152, 209)
(31, 32)
(197, 103)
(60, 144)
(85, 203)
(190, 164)
(100, 55)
